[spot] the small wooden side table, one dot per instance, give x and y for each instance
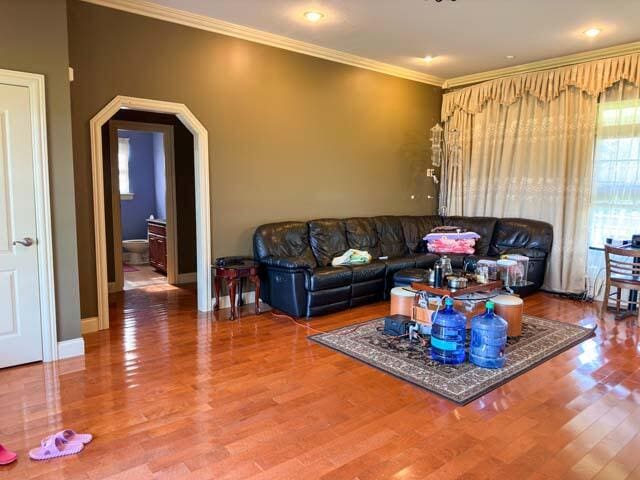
(233, 274)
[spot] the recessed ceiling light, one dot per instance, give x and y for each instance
(510, 57)
(313, 16)
(592, 32)
(429, 58)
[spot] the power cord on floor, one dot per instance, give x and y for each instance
(284, 315)
(307, 326)
(578, 297)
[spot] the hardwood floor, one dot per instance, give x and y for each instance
(173, 394)
(143, 276)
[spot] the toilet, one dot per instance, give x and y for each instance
(135, 252)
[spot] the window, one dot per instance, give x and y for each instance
(615, 197)
(123, 169)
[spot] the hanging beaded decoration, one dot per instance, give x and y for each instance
(436, 145)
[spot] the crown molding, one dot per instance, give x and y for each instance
(203, 22)
(556, 62)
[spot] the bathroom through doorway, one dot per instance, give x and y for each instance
(143, 205)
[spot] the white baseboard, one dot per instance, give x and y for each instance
(70, 348)
(186, 278)
(88, 325)
(247, 297)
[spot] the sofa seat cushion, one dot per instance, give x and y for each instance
(395, 264)
(370, 271)
(527, 252)
(425, 260)
(323, 278)
(362, 235)
(328, 240)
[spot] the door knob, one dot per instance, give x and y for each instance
(25, 242)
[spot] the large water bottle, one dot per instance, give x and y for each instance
(488, 339)
(448, 335)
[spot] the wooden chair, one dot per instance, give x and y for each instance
(622, 271)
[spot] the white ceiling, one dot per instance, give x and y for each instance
(467, 36)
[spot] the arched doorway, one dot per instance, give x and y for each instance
(203, 216)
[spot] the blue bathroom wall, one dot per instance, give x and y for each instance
(159, 175)
(134, 213)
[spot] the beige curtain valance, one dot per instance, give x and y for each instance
(592, 78)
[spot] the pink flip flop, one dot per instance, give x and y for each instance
(54, 447)
(7, 456)
(71, 436)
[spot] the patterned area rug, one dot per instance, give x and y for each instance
(541, 340)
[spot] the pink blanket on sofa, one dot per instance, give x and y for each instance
(459, 243)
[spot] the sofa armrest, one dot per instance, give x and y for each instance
(286, 263)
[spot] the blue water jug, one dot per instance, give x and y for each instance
(448, 335)
(488, 339)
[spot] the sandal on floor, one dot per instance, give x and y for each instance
(54, 447)
(71, 436)
(7, 456)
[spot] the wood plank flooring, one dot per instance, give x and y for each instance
(173, 394)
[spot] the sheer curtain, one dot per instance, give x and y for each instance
(533, 159)
(452, 185)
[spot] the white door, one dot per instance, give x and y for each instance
(20, 326)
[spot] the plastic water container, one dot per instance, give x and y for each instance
(448, 335)
(488, 339)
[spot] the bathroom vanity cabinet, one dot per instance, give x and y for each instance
(157, 230)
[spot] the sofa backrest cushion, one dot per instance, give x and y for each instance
(416, 227)
(519, 234)
(390, 234)
(283, 240)
(328, 240)
(483, 226)
(362, 235)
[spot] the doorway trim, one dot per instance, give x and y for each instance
(203, 202)
(170, 196)
(44, 240)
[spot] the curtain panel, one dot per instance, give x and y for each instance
(527, 151)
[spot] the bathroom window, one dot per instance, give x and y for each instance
(123, 169)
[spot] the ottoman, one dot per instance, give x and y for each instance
(404, 278)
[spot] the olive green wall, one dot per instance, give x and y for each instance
(33, 38)
(290, 136)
